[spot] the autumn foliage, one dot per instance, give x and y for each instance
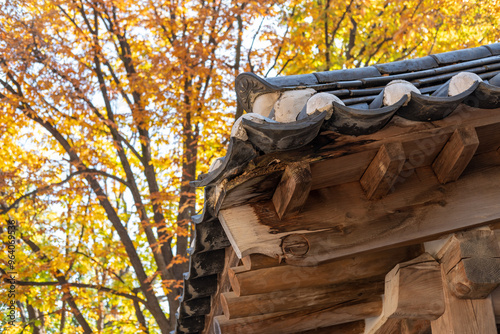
(109, 108)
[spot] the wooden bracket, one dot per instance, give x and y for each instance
(470, 269)
(471, 261)
(456, 155)
(293, 189)
(383, 171)
(413, 295)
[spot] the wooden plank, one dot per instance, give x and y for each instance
(259, 261)
(471, 261)
(283, 277)
(340, 159)
(287, 323)
(340, 221)
(356, 327)
(296, 299)
(456, 155)
(464, 316)
(223, 286)
(293, 189)
(413, 290)
(381, 174)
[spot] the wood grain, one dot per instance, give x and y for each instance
(339, 221)
(464, 316)
(293, 189)
(384, 169)
(471, 261)
(340, 159)
(296, 299)
(259, 261)
(413, 290)
(283, 277)
(307, 319)
(456, 155)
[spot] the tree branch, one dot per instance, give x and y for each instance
(42, 189)
(251, 45)
(62, 281)
(83, 286)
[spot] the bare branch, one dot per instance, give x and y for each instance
(282, 44)
(251, 45)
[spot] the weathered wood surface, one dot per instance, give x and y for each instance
(456, 155)
(295, 299)
(413, 290)
(401, 326)
(464, 316)
(283, 277)
(223, 285)
(259, 261)
(287, 323)
(356, 327)
(335, 160)
(293, 189)
(383, 171)
(339, 221)
(471, 261)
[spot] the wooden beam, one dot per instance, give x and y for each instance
(296, 299)
(464, 316)
(456, 154)
(471, 261)
(293, 189)
(283, 277)
(340, 221)
(308, 319)
(340, 159)
(413, 290)
(259, 261)
(381, 174)
(223, 286)
(355, 327)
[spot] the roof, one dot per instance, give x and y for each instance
(360, 111)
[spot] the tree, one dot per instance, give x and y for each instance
(111, 107)
(326, 35)
(103, 104)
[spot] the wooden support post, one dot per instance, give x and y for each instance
(293, 189)
(468, 279)
(413, 290)
(303, 320)
(471, 261)
(383, 171)
(456, 155)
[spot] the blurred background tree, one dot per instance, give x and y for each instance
(109, 108)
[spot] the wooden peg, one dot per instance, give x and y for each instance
(456, 155)
(293, 189)
(383, 171)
